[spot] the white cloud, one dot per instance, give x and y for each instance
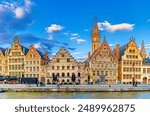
(80, 41)
(112, 45)
(76, 53)
(147, 46)
(66, 33)
(77, 38)
(148, 20)
(73, 38)
(117, 27)
(74, 34)
(86, 30)
(54, 27)
(22, 11)
(19, 10)
(38, 45)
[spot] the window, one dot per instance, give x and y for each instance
(63, 74)
(57, 67)
(34, 55)
(93, 73)
(57, 60)
(33, 68)
(98, 73)
(73, 67)
(37, 62)
(63, 67)
(34, 62)
(53, 67)
(68, 67)
(68, 74)
(30, 55)
(68, 59)
(30, 62)
(57, 74)
(79, 67)
(148, 70)
(79, 74)
(63, 55)
(144, 70)
(30, 75)
(37, 68)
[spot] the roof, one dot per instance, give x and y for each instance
(40, 53)
(25, 50)
(146, 60)
(122, 49)
(3, 50)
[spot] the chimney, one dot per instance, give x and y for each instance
(89, 55)
(117, 51)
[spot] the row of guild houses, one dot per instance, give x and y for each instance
(125, 64)
(21, 62)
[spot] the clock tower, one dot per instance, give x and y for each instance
(95, 37)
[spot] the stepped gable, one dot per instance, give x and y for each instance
(66, 55)
(101, 48)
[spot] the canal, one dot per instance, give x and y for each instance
(75, 95)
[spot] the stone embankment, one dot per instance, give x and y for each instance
(72, 88)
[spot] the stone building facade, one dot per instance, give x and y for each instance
(102, 65)
(130, 60)
(146, 71)
(16, 59)
(64, 66)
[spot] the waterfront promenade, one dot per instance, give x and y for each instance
(73, 88)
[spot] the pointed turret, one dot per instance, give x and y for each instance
(89, 55)
(95, 36)
(143, 51)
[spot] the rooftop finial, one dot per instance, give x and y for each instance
(16, 40)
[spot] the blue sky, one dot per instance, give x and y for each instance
(51, 24)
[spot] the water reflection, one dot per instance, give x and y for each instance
(75, 95)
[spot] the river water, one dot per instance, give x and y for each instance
(75, 95)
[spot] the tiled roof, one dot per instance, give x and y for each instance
(146, 60)
(25, 50)
(40, 53)
(122, 49)
(3, 50)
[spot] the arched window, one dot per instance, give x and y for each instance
(53, 74)
(68, 74)
(63, 74)
(57, 74)
(79, 74)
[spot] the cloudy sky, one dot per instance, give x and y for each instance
(51, 24)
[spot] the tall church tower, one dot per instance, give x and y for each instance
(95, 37)
(143, 51)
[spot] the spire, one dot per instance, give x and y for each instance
(16, 40)
(95, 36)
(143, 51)
(95, 29)
(89, 55)
(104, 38)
